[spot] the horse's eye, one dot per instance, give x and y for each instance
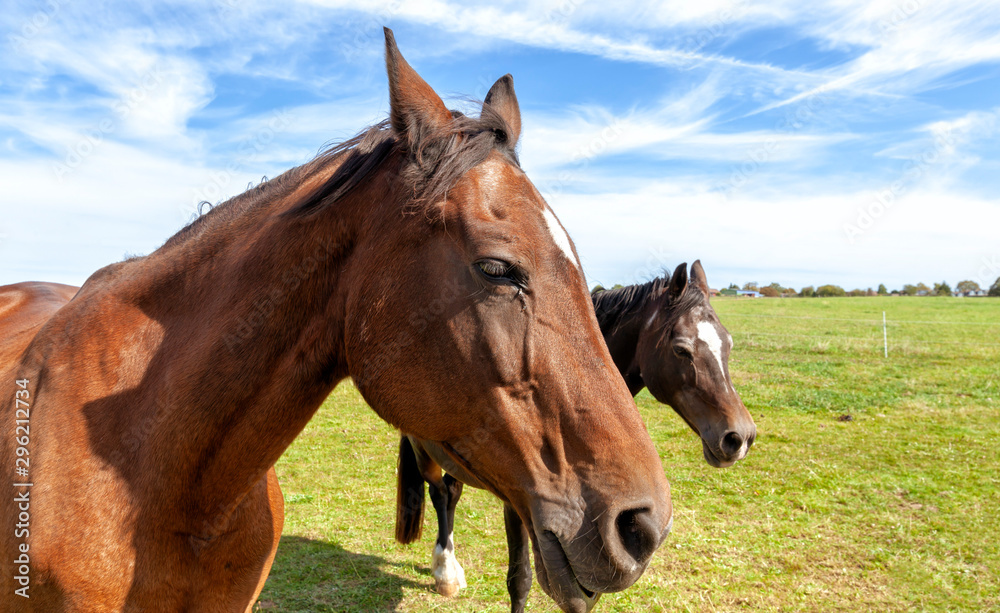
(499, 271)
(683, 351)
(494, 269)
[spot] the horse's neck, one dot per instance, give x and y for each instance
(249, 334)
(622, 337)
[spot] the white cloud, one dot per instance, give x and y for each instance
(973, 126)
(798, 239)
(152, 92)
(569, 144)
(122, 200)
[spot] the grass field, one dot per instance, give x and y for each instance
(896, 508)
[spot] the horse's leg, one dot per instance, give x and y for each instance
(519, 560)
(454, 493)
(234, 565)
(449, 576)
(277, 503)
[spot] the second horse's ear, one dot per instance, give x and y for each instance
(503, 101)
(678, 281)
(698, 276)
(415, 110)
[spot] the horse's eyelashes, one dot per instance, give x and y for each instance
(493, 268)
(683, 351)
(499, 271)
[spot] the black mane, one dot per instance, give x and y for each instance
(615, 307)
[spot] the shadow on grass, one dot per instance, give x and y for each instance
(312, 575)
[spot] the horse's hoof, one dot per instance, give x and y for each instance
(447, 588)
(449, 576)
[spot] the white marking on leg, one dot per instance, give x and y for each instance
(559, 234)
(449, 576)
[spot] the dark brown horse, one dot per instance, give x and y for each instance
(663, 335)
(416, 258)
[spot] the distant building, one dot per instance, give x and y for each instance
(975, 293)
(739, 293)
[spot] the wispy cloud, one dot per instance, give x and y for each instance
(908, 44)
(545, 25)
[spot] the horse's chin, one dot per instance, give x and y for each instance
(713, 460)
(557, 578)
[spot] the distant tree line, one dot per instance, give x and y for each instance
(775, 290)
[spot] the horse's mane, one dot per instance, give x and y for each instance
(435, 161)
(615, 307)
(266, 190)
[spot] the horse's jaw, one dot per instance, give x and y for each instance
(570, 568)
(557, 578)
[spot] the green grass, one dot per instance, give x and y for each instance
(897, 509)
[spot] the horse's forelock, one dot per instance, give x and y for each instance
(693, 296)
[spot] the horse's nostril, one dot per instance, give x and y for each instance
(638, 532)
(732, 443)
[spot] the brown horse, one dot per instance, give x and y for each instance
(663, 335)
(416, 258)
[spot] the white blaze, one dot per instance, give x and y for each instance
(558, 234)
(710, 336)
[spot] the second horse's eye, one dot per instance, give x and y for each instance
(683, 351)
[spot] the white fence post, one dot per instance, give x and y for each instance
(885, 336)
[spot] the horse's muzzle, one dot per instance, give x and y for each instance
(608, 552)
(732, 447)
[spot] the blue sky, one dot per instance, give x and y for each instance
(801, 143)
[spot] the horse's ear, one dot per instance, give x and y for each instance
(678, 281)
(698, 276)
(502, 99)
(415, 110)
